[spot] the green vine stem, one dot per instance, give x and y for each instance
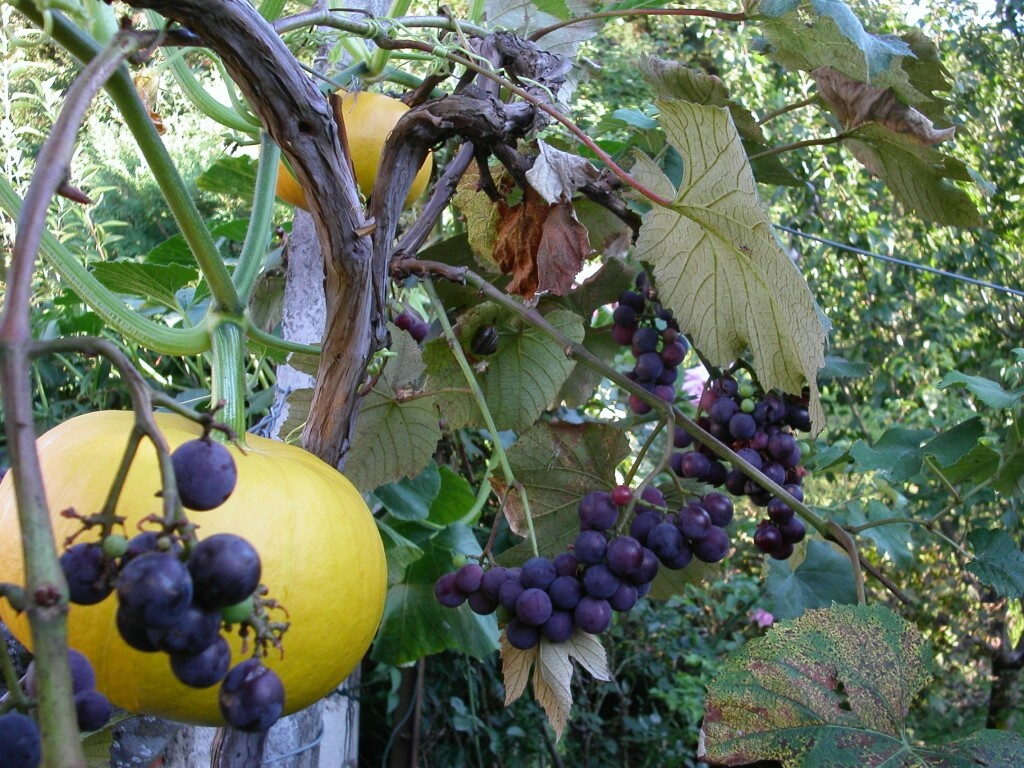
(642, 12)
(228, 380)
(16, 698)
(380, 57)
(45, 587)
(15, 595)
(261, 222)
(787, 108)
(474, 385)
(822, 142)
(269, 340)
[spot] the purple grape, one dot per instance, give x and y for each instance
(665, 392)
(565, 592)
(593, 615)
(632, 299)
(509, 592)
(668, 376)
(134, 634)
(781, 445)
(538, 572)
(799, 418)
(735, 482)
(716, 473)
(713, 547)
(742, 426)
(624, 555)
(624, 599)
(201, 670)
(597, 511)
(638, 405)
(648, 365)
(794, 490)
(22, 743)
(774, 472)
(447, 592)
(468, 577)
(193, 633)
(520, 635)
(751, 456)
(647, 571)
(154, 590)
(225, 570)
(695, 465)
(625, 316)
(589, 547)
(723, 410)
(566, 564)
(759, 441)
(205, 474)
(652, 495)
(681, 438)
(92, 710)
(481, 604)
(719, 507)
(83, 676)
(149, 541)
(533, 606)
(794, 531)
(622, 335)
(418, 330)
(559, 627)
(673, 354)
(779, 511)
(784, 552)
(645, 341)
(492, 580)
(793, 460)
(643, 524)
(251, 697)
(726, 386)
(694, 521)
(767, 538)
(86, 571)
(600, 581)
(682, 558)
(664, 541)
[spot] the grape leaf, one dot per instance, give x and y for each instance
(718, 265)
(397, 429)
(895, 454)
(552, 672)
(155, 282)
(232, 176)
(823, 577)
(893, 540)
(525, 16)
(399, 551)
(557, 464)
(840, 368)
(519, 380)
(997, 561)
(986, 390)
(453, 501)
(411, 497)
(978, 465)
(833, 688)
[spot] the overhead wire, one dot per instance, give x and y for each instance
(902, 262)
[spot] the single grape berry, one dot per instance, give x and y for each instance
(713, 547)
(624, 555)
(205, 474)
(509, 593)
(565, 592)
(192, 633)
(538, 572)
(83, 677)
(492, 580)
(251, 697)
(85, 569)
(664, 541)
(597, 511)
(600, 581)
(622, 495)
(22, 744)
(559, 627)
(694, 522)
(719, 507)
(625, 598)
(533, 606)
(593, 615)
(521, 635)
(767, 538)
(481, 604)
(589, 547)
(225, 570)
(134, 634)
(92, 710)
(154, 589)
(469, 577)
(447, 592)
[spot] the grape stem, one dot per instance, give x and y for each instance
(15, 697)
(474, 385)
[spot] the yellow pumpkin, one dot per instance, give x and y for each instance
(321, 553)
(368, 118)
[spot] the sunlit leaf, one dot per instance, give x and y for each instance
(822, 578)
(998, 562)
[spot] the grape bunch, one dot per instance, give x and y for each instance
(91, 707)
(760, 427)
(653, 336)
(174, 600)
(696, 530)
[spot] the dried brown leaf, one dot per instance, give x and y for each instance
(515, 668)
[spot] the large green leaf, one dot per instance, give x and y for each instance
(155, 282)
(718, 265)
(988, 391)
(833, 689)
(822, 578)
(411, 497)
(519, 381)
(998, 562)
(232, 176)
(895, 454)
(397, 429)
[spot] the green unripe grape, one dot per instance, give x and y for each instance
(746, 390)
(747, 406)
(459, 559)
(115, 545)
(237, 613)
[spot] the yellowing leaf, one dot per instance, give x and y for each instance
(716, 260)
(515, 668)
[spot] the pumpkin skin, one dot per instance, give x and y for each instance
(321, 553)
(368, 118)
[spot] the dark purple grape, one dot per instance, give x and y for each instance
(622, 335)
(793, 460)
(742, 426)
(751, 456)
(447, 592)
(621, 495)
(664, 541)
(537, 572)
(533, 606)
(695, 465)
(83, 676)
(673, 354)
(668, 376)
(653, 496)
(405, 319)
(716, 473)
(784, 552)
(713, 547)
(681, 438)
(205, 474)
(492, 580)
(726, 386)
(723, 410)
(92, 710)
(624, 555)
(779, 511)
(632, 299)
(521, 635)
(767, 538)
(781, 445)
(22, 744)
(86, 570)
(648, 365)
(643, 524)
(509, 592)
(565, 592)
(665, 392)
(638, 405)
(624, 599)
(589, 547)
(694, 521)
(193, 633)
(758, 496)
(251, 697)
(559, 627)
(735, 482)
(418, 330)
(647, 571)
(134, 634)
(593, 615)
(481, 604)
(225, 570)
(682, 558)
(149, 541)
(645, 341)
(625, 316)
(759, 440)
(774, 472)
(566, 564)
(597, 511)
(154, 589)
(719, 507)
(201, 670)
(794, 531)
(469, 577)
(798, 417)
(600, 581)
(794, 490)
